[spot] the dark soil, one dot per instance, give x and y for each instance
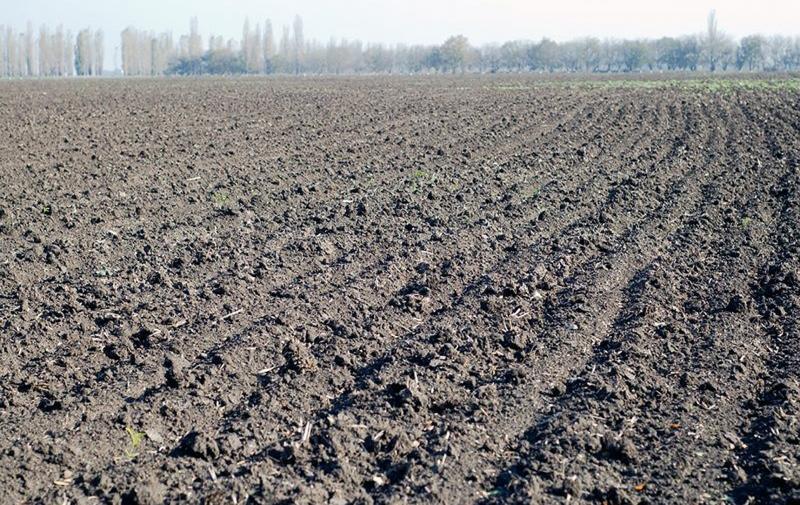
(398, 290)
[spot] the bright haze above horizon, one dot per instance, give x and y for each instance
(414, 21)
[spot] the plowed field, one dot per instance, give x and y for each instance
(390, 290)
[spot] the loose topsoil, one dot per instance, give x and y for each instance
(390, 290)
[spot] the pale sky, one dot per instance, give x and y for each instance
(414, 21)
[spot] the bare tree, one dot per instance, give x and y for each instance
(512, 54)
(489, 59)
(779, 53)
(58, 48)
(298, 44)
(256, 57)
(98, 52)
(251, 48)
(83, 52)
(51, 46)
(128, 47)
(590, 54)
(3, 54)
(30, 62)
(69, 54)
(195, 41)
(246, 41)
(11, 52)
(183, 47)
(268, 51)
(751, 52)
(162, 50)
(284, 49)
(454, 53)
(714, 43)
(44, 50)
(144, 53)
(216, 43)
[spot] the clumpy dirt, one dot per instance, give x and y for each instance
(389, 290)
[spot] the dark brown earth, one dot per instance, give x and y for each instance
(467, 290)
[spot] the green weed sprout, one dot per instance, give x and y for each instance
(136, 438)
(220, 198)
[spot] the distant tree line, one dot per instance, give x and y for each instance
(262, 51)
(50, 53)
(259, 53)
